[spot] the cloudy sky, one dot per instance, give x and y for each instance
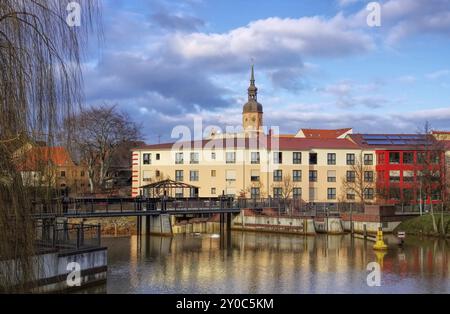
(318, 63)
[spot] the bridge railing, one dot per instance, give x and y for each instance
(61, 207)
(66, 236)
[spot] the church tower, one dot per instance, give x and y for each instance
(252, 115)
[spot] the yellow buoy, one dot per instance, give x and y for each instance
(379, 244)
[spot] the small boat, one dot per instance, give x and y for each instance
(215, 236)
(197, 234)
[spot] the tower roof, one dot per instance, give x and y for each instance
(252, 104)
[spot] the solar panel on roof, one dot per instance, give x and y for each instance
(374, 137)
(412, 137)
(379, 142)
(399, 142)
(394, 137)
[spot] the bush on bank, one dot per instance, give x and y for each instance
(423, 225)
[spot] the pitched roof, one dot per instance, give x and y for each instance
(392, 141)
(37, 157)
(282, 143)
(323, 133)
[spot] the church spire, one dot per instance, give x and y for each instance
(252, 90)
(252, 78)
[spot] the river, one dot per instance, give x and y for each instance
(271, 263)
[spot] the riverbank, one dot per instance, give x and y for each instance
(423, 225)
(121, 226)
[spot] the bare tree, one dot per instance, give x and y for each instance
(431, 170)
(98, 134)
(286, 186)
(40, 82)
(359, 181)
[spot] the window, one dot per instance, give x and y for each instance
(277, 157)
(331, 158)
(147, 159)
(230, 191)
(331, 193)
(313, 176)
(158, 156)
(350, 159)
(213, 173)
(408, 176)
(254, 175)
(255, 193)
(296, 158)
(63, 174)
(213, 191)
(394, 176)
(179, 193)
(368, 176)
(255, 158)
(193, 175)
(435, 176)
(312, 194)
(194, 158)
(351, 195)
(381, 158)
(277, 192)
(394, 193)
(179, 175)
(408, 158)
(146, 176)
(179, 158)
(394, 158)
(351, 176)
(297, 192)
(368, 193)
(82, 173)
(231, 157)
(213, 156)
(331, 176)
(434, 156)
(368, 159)
(408, 195)
(277, 175)
(421, 157)
(436, 195)
(158, 173)
(313, 158)
(297, 175)
(230, 176)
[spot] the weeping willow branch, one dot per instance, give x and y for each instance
(40, 87)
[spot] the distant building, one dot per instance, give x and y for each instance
(317, 162)
(43, 166)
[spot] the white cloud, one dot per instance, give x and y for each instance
(437, 74)
(272, 40)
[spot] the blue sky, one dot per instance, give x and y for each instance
(318, 63)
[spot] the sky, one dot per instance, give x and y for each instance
(318, 64)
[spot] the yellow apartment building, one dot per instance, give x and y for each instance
(310, 164)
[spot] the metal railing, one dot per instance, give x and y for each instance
(67, 236)
(124, 206)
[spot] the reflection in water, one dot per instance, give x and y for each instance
(268, 263)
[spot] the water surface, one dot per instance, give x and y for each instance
(271, 263)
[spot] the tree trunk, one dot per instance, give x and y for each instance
(442, 220)
(435, 229)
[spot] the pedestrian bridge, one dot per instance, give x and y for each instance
(126, 207)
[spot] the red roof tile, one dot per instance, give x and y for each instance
(322, 133)
(284, 143)
(37, 157)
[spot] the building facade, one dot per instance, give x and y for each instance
(318, 166)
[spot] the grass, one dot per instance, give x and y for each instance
(424, 225)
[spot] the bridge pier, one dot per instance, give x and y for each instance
(154, 224)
